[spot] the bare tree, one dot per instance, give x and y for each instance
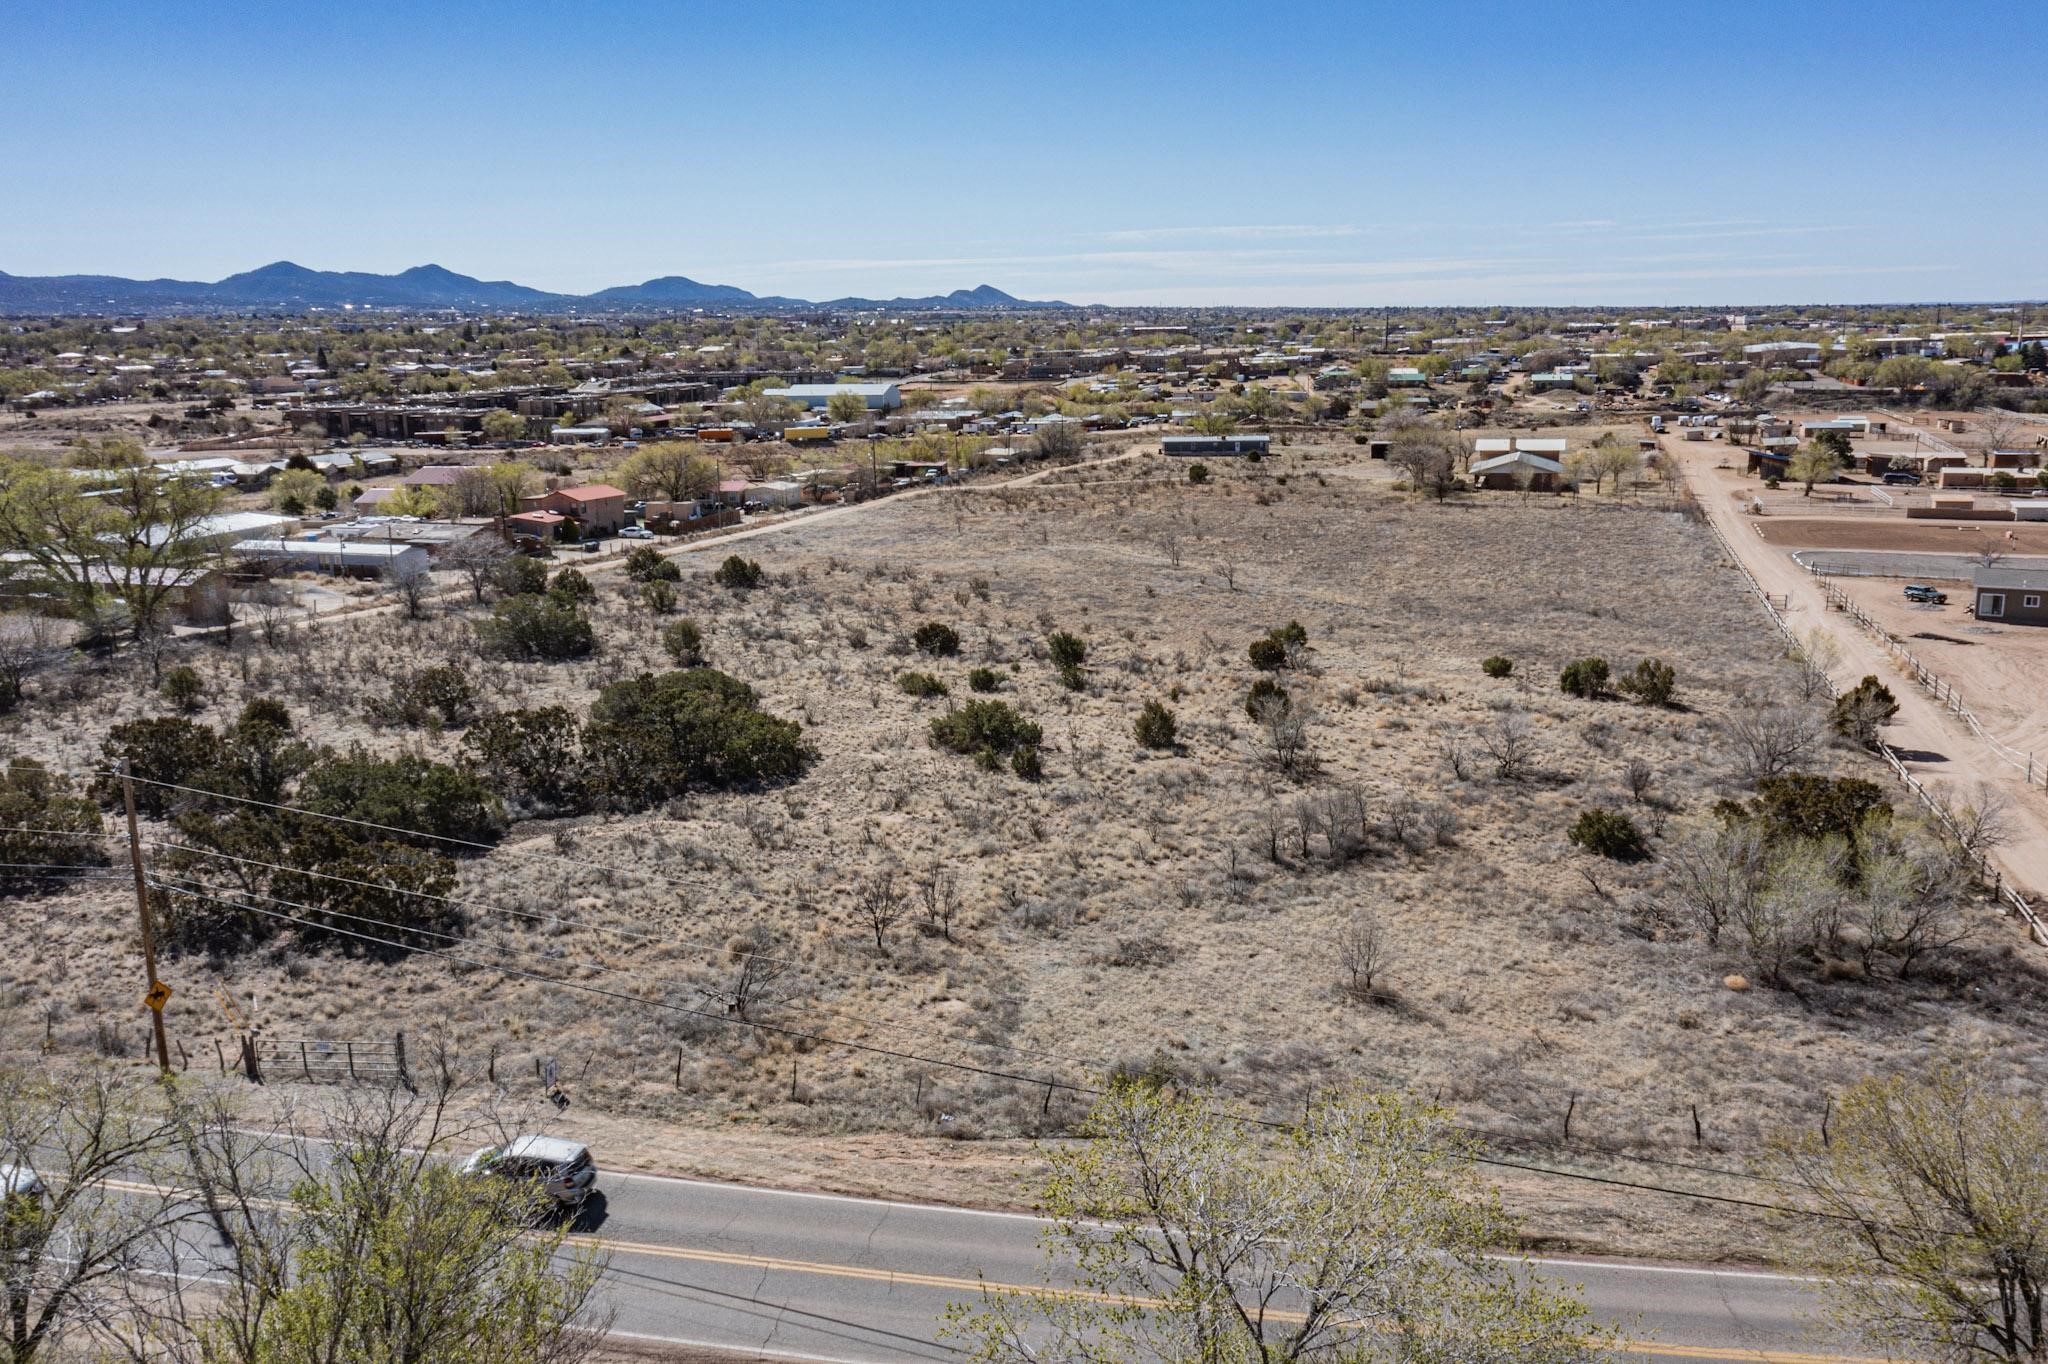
(477, 558)
(759, 978)
(410, 581)
(1812, 659)
(1771, 739)
(68, 1235)
(1511, 745)
(1909, 897)
(1981, 819)
(1715, 874)
(1283, 725)
(29, 644)
(1639, 777)
(939, 893)
(1429, 456)
(879, 902)
(1170, 546)
(382, 1249)
(1363, 953)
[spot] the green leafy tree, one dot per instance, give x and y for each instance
(936, 638)
(46, 830)
(163, 752)
(738, 573)
(669, 471)
(1652, 682)
(1156, 727)
(543, 628)
(1813, 462)
(1607, 833)
(1584, 677)
(572, 588)
(984, 726)
(533, 758)
(433, 802)
(1359, 1234)
(1860, 712)
(515, 575)
(846, 408)
(182, 687)
(1934, 1186)
(503, 425)
(684, 641)
(133, 544)
(655, 736)
(921, 685)
(1497, 666)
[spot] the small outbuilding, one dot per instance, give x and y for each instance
(2014, 596)
(1216, 445)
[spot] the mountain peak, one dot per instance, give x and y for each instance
(286, 285)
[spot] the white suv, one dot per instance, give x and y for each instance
(562, 1168)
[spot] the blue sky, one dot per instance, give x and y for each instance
(1190, 153)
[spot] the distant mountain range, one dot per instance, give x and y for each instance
(293, 288)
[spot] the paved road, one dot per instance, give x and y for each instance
(845, 1279)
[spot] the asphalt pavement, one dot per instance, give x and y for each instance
(824, 1277)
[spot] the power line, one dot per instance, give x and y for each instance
(1037, 1082)
(646, 936)
(198, 889)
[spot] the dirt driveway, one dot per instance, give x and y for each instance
(1937, 747)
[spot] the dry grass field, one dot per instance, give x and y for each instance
(1135, 907)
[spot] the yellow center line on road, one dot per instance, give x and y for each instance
(966, 1285)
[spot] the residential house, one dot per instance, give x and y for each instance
(597, 508)
(1519, 469)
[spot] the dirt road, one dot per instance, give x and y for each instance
(1937, 748)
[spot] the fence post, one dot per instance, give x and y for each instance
(220, 1055)
(351, 1051)
(404, 1075)
(305, 1062)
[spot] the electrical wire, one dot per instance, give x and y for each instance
(1048, 1083)
(589, 926)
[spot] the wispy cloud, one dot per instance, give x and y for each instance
(1238, 232)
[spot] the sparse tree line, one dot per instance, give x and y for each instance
(169, 1227)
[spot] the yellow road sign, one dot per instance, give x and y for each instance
(158, 996)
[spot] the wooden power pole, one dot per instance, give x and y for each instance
(158, 992)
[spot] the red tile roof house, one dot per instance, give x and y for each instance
(597, 508)
(539, 525)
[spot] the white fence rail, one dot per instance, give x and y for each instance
(2010, 900)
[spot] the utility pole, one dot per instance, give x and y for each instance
(157, 994)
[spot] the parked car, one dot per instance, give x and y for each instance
(18, 1181)
(1921, 592)
(635, 533)
(561, 1168)
(1902, 476)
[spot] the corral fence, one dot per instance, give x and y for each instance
(1889, 563)
(1935, 685)
(2010, 900)
(324, 1059)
